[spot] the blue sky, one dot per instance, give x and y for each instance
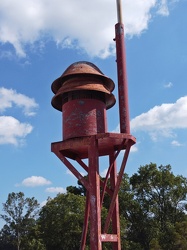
(39, 39)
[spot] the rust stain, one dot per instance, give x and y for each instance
(85, 77)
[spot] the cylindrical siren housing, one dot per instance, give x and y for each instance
(83, 94)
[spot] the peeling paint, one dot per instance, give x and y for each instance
(84, 118)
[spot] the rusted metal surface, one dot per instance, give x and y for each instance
(94, 195)
(122, 79)
(74, 171)
(83, 117)
(117, 186)
(82, 85)
(78, 147)
(82, 76)
(82, 68)
(86, 220)
(83, 93)
(115, 214)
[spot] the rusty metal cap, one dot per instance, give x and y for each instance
(82, 68)
(57, 102)
(85, 83)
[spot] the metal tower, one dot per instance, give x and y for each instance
(83, 94)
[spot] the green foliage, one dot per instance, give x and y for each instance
(19, 215)
(180, 236)
(80, 190)
(153, 201)
(61, 222)
(6, 239)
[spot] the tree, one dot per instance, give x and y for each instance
(180, 236)
(61, 222)
(20, 215)
(155, 200)
(77, 190)
(6, 240)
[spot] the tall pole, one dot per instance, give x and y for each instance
(122, 75)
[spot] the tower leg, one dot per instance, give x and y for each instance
(115, 215)
(85, 225)
(94, 183)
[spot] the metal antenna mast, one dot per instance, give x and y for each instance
(122, 75)
(119, 11)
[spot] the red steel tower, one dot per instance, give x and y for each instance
(83, 94)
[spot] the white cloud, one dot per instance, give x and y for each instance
(12, 131)
(104, 172)
(176, 143)
(43, 203)
(168, 85)
(82, 24)
(6, 54)
(137, 15)
(70, 173)
(163, 8)
(134, 148)
(55, 190)
(162, 120)
(9, 97)
(35, 181)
